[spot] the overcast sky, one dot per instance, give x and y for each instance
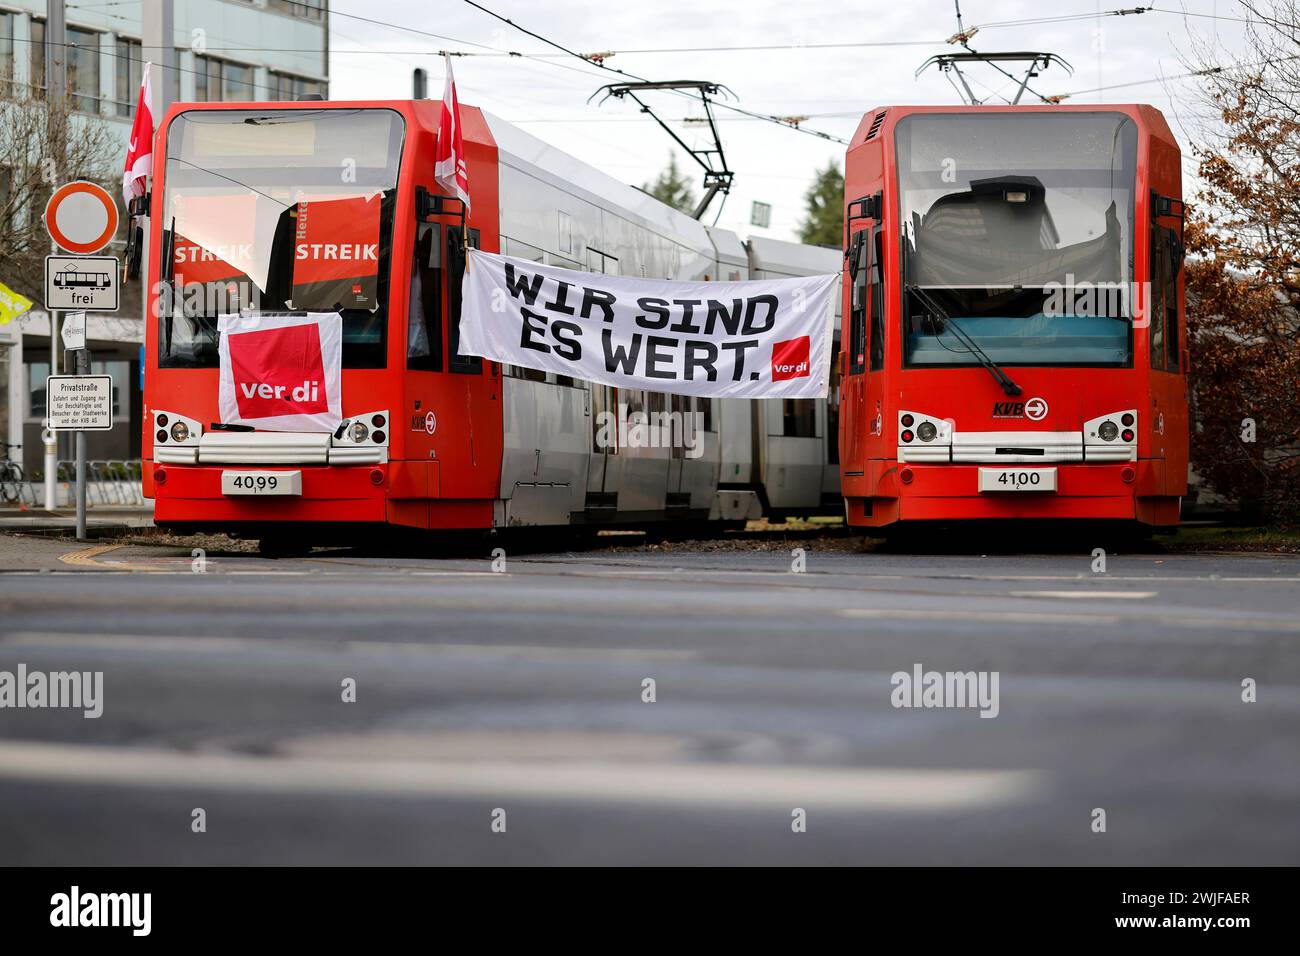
(833, 87)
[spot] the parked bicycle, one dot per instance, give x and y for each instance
(12, 481)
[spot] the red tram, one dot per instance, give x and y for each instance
(1013, 335)
(244, 193)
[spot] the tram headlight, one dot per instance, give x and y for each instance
(1108, 431)
(359, 432)
(926, 431)
(180, 431)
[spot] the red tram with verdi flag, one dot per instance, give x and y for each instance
(304, 375)
(1014, 344)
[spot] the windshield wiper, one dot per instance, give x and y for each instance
(1002, 378)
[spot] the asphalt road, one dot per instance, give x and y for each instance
(517, 698)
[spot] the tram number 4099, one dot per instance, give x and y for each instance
(261, 482)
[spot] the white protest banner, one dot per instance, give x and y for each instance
(281, 372)
(760, 339)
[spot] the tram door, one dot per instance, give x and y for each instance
(855, 416)
(1166, 418)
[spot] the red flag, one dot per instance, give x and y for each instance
(449, 167)
(139, 150)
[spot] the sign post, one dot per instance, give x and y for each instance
(81, 217)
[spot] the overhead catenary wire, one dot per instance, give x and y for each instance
(641, 79)
(1208, 71)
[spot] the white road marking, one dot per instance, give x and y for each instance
(168, 642)
(1048, 617)
(465, 574)
(627, 782)
(268, 574)
(1100, 595)
(1021, 617)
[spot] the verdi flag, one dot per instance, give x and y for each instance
(450, 170)
(757, 339)
(139, 148)
(281, 372)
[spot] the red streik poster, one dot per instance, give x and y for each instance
(336, 254)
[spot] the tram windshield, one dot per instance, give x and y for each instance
(1020, 228)
(278, 210)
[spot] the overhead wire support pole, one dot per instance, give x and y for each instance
(717, 178)
(951, 63)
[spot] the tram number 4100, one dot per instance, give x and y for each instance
(1017, 479)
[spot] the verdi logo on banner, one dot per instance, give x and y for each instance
(281, 373)
(760, 339)
(336, 254)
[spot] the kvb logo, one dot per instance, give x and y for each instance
(1035, 409)
(278, 372)
(790, 359)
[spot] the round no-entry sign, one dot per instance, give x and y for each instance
(81, 217)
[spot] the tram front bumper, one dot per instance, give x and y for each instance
(192, 494)
(889, 492)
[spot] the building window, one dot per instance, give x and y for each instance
(120, 372)
(220, 81)
(37, 373)
(38, 58)
(83, 69)
(287, 88)
(6, 52)
(129, 73)
(307, 9)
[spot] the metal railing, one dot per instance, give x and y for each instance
(109, 483)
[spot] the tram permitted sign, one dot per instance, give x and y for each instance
(80, 403)
(89, 283)
(81, 217)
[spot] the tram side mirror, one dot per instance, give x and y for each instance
(136, 209)
(134, 251)
(857, 253)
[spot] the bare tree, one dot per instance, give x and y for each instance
(42, 146)
(1243, 277)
